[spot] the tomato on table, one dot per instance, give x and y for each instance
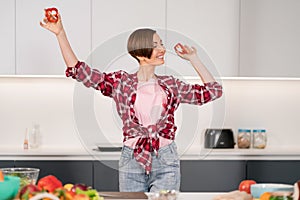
(245, 185)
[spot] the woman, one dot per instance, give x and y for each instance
(146, 104)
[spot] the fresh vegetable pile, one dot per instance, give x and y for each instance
(245, 186)
(24, 180)
(244, 192)
(50, 184)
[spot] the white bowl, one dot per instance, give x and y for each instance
(258, 189)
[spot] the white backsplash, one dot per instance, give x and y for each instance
(57, 105)
(269, 104)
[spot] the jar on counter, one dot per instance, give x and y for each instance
(259, 138)
(244, 138)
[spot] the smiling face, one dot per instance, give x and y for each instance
(146, 47)
(158, 52)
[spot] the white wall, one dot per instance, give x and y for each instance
(269, 104)
(42, 100)
(251, 103)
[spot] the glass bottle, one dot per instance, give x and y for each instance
(34, 136)
(259, 138)
(244, 138)
(25, 143)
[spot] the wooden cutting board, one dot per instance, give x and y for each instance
(123, 195)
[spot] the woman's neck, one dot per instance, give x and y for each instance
(145, 73)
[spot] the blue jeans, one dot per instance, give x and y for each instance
(165, 173)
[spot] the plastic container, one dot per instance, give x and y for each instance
(244, 138)
(34, 136)
(259, 138)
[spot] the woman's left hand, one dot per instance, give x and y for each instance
(185, 51)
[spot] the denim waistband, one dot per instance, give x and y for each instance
(172, 146)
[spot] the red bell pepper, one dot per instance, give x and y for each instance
(180, 48)
(49, 183)
(51, 14)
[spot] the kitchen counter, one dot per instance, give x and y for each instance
(139, 195)
(182, 196)
(197, 196)
(195, 153)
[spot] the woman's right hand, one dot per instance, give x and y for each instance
(66, 50)
(54, 27)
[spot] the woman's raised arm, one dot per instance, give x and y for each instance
(65, 47)
(190, 54)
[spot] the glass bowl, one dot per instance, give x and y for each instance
(26, 175)
(163, 195)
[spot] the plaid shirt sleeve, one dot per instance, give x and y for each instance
(198, 94)
(105, 82)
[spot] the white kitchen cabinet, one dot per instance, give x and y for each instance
(37, 50)
(270, 42)
(113, 21)
(211, 25)
(7, 37)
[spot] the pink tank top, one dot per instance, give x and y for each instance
(148, 107)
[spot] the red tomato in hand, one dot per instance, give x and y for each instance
(51, 14)
(245, 185)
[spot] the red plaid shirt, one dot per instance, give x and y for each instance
(122, 87)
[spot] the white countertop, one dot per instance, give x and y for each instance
(197, 196)
(48, 152)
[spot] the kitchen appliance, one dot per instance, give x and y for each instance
(109, 147)
(219, 138)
